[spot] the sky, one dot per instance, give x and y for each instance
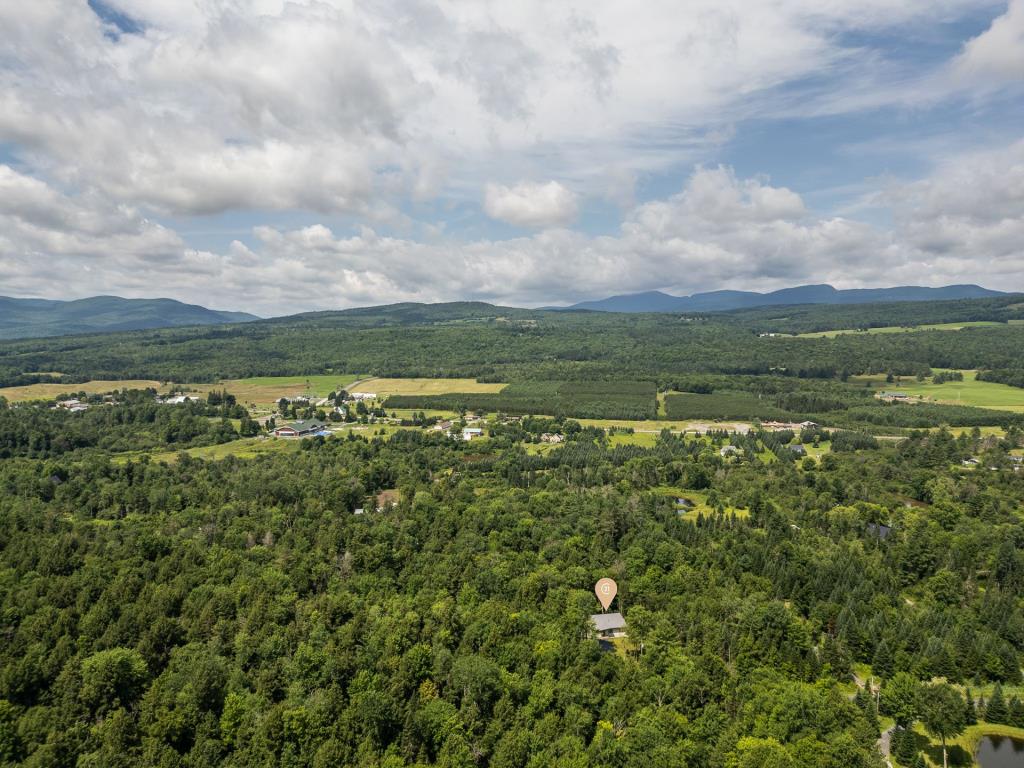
(277, 156)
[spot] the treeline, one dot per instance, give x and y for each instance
(1013, 377)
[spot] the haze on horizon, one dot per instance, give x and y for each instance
(276, 157)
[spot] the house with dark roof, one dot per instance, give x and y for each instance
(879, 531)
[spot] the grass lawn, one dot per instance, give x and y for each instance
(901, 329)
(645, 439)
(824, 446)
(386, 387)
(970, 391)
(99, 387)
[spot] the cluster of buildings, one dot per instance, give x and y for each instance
(793, 426)
(179, 399)
(72, 405)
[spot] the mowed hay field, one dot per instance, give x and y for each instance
(384, 387)
(970, 391)
(98, 387)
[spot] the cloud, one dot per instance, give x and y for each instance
(718, 231)
(997, 52)
(355, 108)
(531, 205)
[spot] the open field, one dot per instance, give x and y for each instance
(245, 448)
(264, 390)
(49, 391)
(981, 394)
(904, 329)
(384, 387)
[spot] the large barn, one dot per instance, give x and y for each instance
(301, 428)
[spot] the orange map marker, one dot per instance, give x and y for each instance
(606, 589)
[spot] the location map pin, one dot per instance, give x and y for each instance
(606, 589)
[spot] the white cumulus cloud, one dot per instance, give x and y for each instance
(531, 205)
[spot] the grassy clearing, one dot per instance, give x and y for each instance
(644, 439)
(98, 387)
(384, 387)
(970, 391)
(244, 448)
(700, 503)
(901, 329)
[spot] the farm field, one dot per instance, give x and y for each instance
(904, 329)
(981, 394)
(385, 387)
(676, 425)
(98, 387)
(264, 390)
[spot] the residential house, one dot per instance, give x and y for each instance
(608, 625)
(472, 433)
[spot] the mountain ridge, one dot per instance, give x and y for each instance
(23, 318)
(821, 293)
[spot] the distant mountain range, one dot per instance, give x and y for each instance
(721, 301)
(20, 318)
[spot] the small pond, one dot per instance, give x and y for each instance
(1000, 752)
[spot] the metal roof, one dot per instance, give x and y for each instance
(606, 621)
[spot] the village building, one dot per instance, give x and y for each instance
(472, 433)
(362, 396)
(552, 437)
(729, 450)
(798, 449)
(181, 399)
(608, 625)
(893, 397)
(73, 405)
(443, 426)
(302, 429)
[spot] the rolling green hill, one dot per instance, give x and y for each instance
(21, 318)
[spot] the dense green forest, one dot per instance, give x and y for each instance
(503, 344)
(402, 598)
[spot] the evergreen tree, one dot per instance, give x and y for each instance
(970, 711)
(882, 661)
(1016, 712)
(996, 711)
